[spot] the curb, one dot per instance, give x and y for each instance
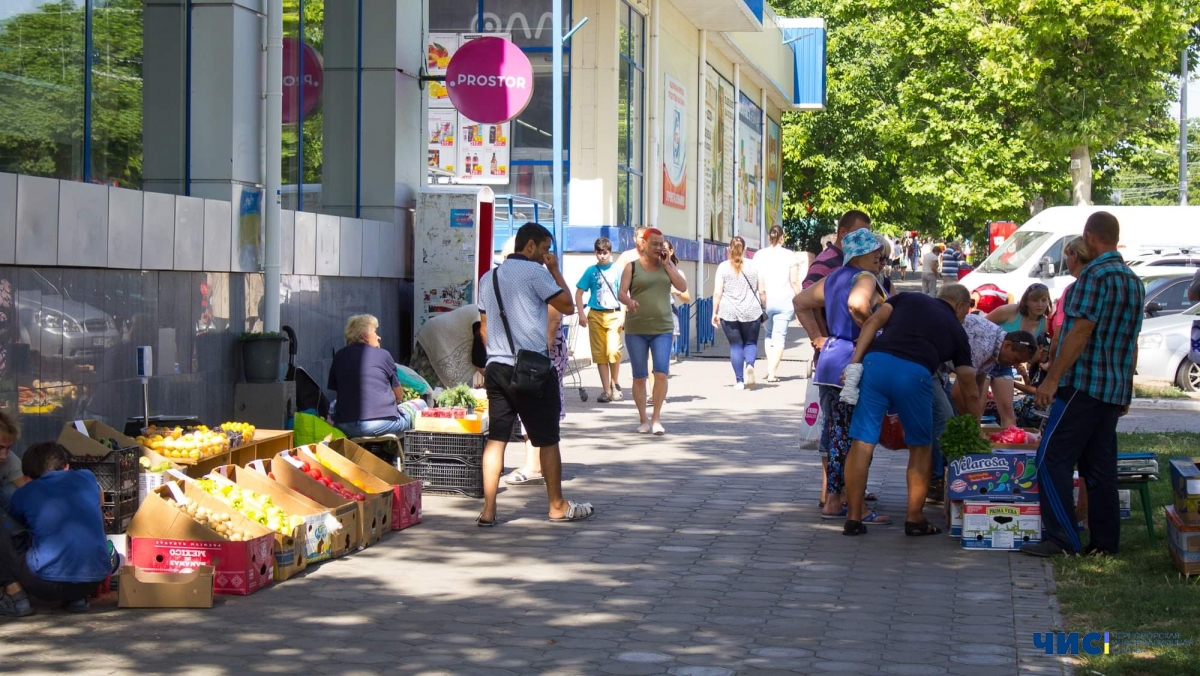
(1166, 404)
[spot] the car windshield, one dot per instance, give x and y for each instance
(1015, 251)
(1193, 310)
(1155, 283)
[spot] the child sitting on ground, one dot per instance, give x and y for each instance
(66, 556)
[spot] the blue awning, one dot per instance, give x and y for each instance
(807, 38)
(756, 8)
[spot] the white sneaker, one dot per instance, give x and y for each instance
(644, 428)
(659, 430)
(739, 386)
(749, 377)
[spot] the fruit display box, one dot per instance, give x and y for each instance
(1012, 476)
(290, 559)
(143, 589)
(320, 526)
(164, 539)
(375, 512)
(1185, 488)
(1000, 526)
(1183, 540)
(954, 518)
(406, 491)
(287, 470)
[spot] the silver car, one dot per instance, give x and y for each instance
(54, 324)
(1163, 350)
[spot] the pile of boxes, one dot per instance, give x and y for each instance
(992, 500)
(1183, 515)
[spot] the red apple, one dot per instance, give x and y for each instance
(304, 467)
(338, 486)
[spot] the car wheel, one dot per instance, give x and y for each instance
(1188, 377)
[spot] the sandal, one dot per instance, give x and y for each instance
(604, 399)
(853, 528)
(870, 497)
(916, 529)
(484, 524)
(576, 511)
(877, 519)
(839, 515)
(519, 478)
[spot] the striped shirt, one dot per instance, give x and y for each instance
(826, 262)
(1111, 295)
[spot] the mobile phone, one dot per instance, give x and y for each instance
(664, 255)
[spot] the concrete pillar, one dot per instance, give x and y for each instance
(339, 104)
(226, 97)
(594, 107)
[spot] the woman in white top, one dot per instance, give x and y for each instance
(779, 270)
(737, 308)
(931, 270)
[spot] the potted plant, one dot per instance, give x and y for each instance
(261, 356)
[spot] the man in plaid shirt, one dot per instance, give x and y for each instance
(1090, 384)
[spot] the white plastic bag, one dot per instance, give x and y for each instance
(812, 418)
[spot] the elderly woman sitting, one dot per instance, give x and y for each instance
(364, 377)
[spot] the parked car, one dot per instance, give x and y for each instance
(1163, 350)
(54, 324)
(1176, 259)
(1166, 292)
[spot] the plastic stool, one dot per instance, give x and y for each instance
(1143, 488)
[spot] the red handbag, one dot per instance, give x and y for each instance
(891, 436)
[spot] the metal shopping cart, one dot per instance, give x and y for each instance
(574, 365)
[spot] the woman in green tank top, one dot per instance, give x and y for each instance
(646, 285)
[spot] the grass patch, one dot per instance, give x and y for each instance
(1140, 590)
(1158, 392)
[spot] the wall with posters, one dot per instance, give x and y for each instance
(749, 171)
(719, 156)
(675, 142)
(679, 49)
(774, 187)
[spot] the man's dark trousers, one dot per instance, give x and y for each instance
(1081, 431)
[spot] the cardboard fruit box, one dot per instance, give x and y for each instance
(187, 589)
(1011, 476)
(164, 539)
(1000, 526)
(1185, 488)
(285, 470)
(289, 547)
(406, 491)
(320, 526)
(375, 513)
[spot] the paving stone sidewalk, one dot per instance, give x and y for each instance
(706, 557)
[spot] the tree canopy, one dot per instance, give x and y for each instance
(943, 115)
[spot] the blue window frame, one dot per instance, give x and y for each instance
(631, 96)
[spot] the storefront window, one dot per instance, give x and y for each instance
(630, 98)
(42, 88)
(117, 92)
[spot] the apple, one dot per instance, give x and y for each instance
(360, 498)
(338, 486)
(304, 467)
(315, 473)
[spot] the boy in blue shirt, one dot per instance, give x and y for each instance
(604, 318)
(65, 556)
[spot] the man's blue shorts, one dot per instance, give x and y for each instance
(899, 385)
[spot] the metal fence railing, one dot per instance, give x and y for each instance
(683, 342)
(706, 333)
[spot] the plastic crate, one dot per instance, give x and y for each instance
(116, 472)
(119, 512)
(465, 447)
(447, 475)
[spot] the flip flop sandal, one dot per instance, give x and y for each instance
(920, 529)
(521, 479)
(840, 515)
(576, 511)
(853, 528)
(877, 519)
(871, 497)
(484, 524)
(820, 503)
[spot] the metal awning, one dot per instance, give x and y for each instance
(739, 16)
(807, 38)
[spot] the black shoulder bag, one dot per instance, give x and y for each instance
(762, 318)
(532, 370)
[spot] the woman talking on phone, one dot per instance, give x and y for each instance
(646, 285)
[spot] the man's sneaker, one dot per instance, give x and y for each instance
(1044, 549)
(603, 399)
(15, 605)
(739, 386)
(616, 393)
(80, 606)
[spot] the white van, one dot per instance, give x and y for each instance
(1034, 253)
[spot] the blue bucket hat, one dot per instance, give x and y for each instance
(859, 243)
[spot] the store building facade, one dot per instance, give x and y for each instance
(132, 166)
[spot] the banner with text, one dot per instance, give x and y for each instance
(675, 133)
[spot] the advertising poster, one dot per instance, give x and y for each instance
(749, 172)
(675, 125)
(774, 192)
(438, 52)
(709, 170)
(483, 152)
(719, 144)
(443, 139)
(729, 122)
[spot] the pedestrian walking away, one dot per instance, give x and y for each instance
(899, 348)
(1090, 385)
(645, 291)
(604, 317)
(779, 273)
(931, 270)
(513, 301)
(738, 302)
(849, 295)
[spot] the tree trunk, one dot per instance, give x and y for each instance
(1081, 176)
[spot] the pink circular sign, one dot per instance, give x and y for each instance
(811, 413)
(489, 80)
(314, 80)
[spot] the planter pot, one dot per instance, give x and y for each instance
(261, 359)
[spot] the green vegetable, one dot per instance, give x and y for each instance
(962, 438)
(458, 396)
(410, 394)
